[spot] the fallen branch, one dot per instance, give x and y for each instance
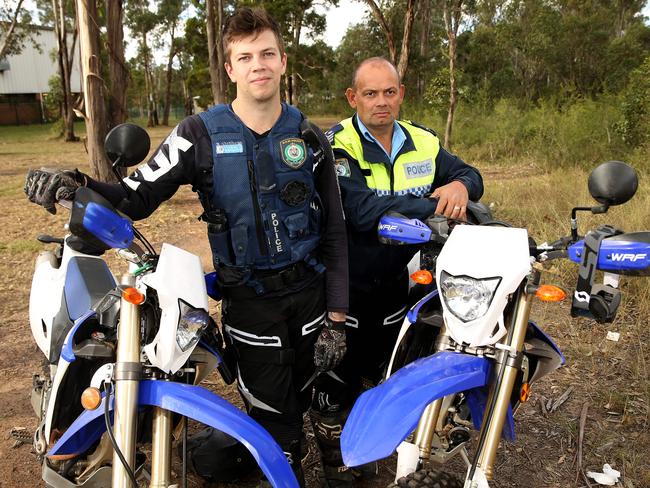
(581, 437)
(563, 398)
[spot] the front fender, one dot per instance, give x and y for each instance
(383, 416)
(196, 403)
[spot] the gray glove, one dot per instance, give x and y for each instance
(330, 346)
(47, 186)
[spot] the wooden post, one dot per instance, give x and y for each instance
(92, 85)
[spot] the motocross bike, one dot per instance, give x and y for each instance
(467, 352)
(123, 360)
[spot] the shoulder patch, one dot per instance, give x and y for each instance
(330, 132)
(422, 127)
(342, 167)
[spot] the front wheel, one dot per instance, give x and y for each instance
(427, 478)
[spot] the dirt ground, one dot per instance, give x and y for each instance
(607, 378)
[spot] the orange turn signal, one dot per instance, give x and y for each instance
(91, 398)
(133, 296)
(550, 293)
(524, 393)
(422, 277)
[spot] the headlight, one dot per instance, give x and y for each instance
(192, 323)
(467, 298)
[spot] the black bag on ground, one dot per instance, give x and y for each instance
(216, 456)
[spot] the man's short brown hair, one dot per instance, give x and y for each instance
(248, 21)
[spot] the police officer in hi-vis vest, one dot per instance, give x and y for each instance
(266, 180)
(382, 165)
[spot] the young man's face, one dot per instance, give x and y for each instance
(377, 95)
(256, 66)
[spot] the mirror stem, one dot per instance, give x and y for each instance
(600, 209)
(119, 176)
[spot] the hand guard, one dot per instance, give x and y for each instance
(47, 186)
(330, 346)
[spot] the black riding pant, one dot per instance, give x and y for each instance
(274, 340)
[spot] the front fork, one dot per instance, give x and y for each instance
(127, 375)
(494, 417)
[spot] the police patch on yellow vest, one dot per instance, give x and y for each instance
(342, 167)
(418, 169)
(294, 152)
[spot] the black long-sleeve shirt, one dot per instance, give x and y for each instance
(185, 157)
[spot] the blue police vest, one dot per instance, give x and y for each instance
(266, 188)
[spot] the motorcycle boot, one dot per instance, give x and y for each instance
(327, 432)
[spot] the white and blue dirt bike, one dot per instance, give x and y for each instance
(123, 359)
(468, 352)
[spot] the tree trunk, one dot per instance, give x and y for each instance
(95, 112)
(152, 116)
(118, 71)
(402, 66)
(452, 13)
(67, 115)
(381, 20)
(295, 46)
(425, 31)
(187, 97)
(168, 78)
(221, 71)
(6, 42)
(214, 47)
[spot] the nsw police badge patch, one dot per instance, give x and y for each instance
(294, 152)
(342, 167)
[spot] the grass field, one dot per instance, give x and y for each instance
(610, 378)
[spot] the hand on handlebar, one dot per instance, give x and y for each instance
(452, 200)
(47, 186)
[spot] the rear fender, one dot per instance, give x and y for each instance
(196, 403)
(383, 416)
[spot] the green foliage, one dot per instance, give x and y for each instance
(580, 134)
(634, 126)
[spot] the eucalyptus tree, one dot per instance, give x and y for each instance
(169, 15)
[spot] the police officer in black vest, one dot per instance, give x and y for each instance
(265, 177)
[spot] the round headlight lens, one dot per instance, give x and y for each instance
(467, 298)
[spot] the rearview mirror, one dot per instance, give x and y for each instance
(613, 183)
(127, 145)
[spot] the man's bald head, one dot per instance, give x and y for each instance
(376, 60)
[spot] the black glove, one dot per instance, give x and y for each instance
(330, 346)
(47, 186)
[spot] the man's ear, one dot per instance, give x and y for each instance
(228, 69)
(351, 95)
(284, 63)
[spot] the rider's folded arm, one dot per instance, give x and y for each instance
(363, 207)
(450, 167)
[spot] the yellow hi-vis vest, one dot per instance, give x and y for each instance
(411, 173)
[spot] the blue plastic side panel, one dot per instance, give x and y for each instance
(616, 255)
(408, 231)
(66, 351)
(211, 286)
(196, 403)
(477, 401)
(383, 416)
(412, 315)
(539, 333)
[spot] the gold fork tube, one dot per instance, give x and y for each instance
(161, 448)
(126, 389)
(495, 427)
(423, 435)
